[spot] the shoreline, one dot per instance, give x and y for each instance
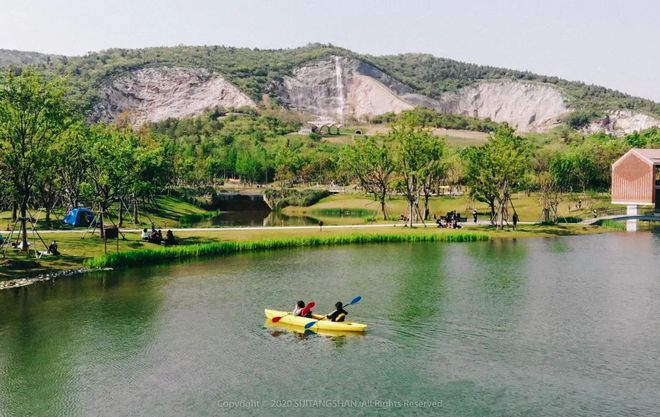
(273, 239)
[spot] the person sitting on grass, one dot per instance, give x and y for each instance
(298, 309)
(145, 234)
(52, 249)
(156, 236)
(339, 314)
(19, 245)
(169, 238)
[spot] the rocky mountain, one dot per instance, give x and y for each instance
(341, 87)
(156, 94)
(154, 84)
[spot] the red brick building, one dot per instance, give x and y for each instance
(636, 179)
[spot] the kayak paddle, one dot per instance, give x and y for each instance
(303, 312)
(353, 301)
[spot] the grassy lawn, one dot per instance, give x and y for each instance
(455, 137)
(527, 206)
(76, 250)
(165, 213)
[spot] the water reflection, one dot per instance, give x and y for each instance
(490, 328)
(260, 218)
(51, 357)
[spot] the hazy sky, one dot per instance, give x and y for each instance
(611, 43)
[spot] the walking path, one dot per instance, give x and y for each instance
(429, 224)
(622, 217)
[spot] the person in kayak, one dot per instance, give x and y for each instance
(298, 309)
(339, 314)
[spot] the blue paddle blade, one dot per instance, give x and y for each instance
(310, 324)
(355, 300)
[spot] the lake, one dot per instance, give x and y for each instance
(537, 327)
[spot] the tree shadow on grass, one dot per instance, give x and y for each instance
(194, 240)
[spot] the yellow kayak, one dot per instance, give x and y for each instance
(322, 322)
(301, 330)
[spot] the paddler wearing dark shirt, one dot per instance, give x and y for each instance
(339, 314)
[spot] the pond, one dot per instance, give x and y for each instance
(261, 218)
(251, 218)
(543, 327)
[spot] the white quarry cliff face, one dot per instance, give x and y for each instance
(338, 87)
(341, 88)
(622, 122)
(523, 105)
(155, 94)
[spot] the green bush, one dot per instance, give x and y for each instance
(612, 224)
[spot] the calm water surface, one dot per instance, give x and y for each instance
(536, 327)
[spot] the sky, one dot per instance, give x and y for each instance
(604, 42)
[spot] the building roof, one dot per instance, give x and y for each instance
(650, 155)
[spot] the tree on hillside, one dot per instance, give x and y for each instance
(33, 114)
(371, 162)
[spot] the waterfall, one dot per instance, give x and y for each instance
(340, 90)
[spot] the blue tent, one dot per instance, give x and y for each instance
(79, 216)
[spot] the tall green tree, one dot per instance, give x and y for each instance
(33, 114)
(372, 162)
(507, 160)
(112, 166)
(69, 158)
(433, 173)
(418, 155)
(494, 170)
(480, 181)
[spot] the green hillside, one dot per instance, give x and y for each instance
(254, 70)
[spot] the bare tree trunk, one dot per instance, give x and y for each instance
(427, 210)
(503, 214)
(24, 236)
(382, 207)
(101, 223)
(136, 212)
(121, 213)
(14, 211)
(411, 205)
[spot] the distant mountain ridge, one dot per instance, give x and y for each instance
(152, 84)
(11, 57)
